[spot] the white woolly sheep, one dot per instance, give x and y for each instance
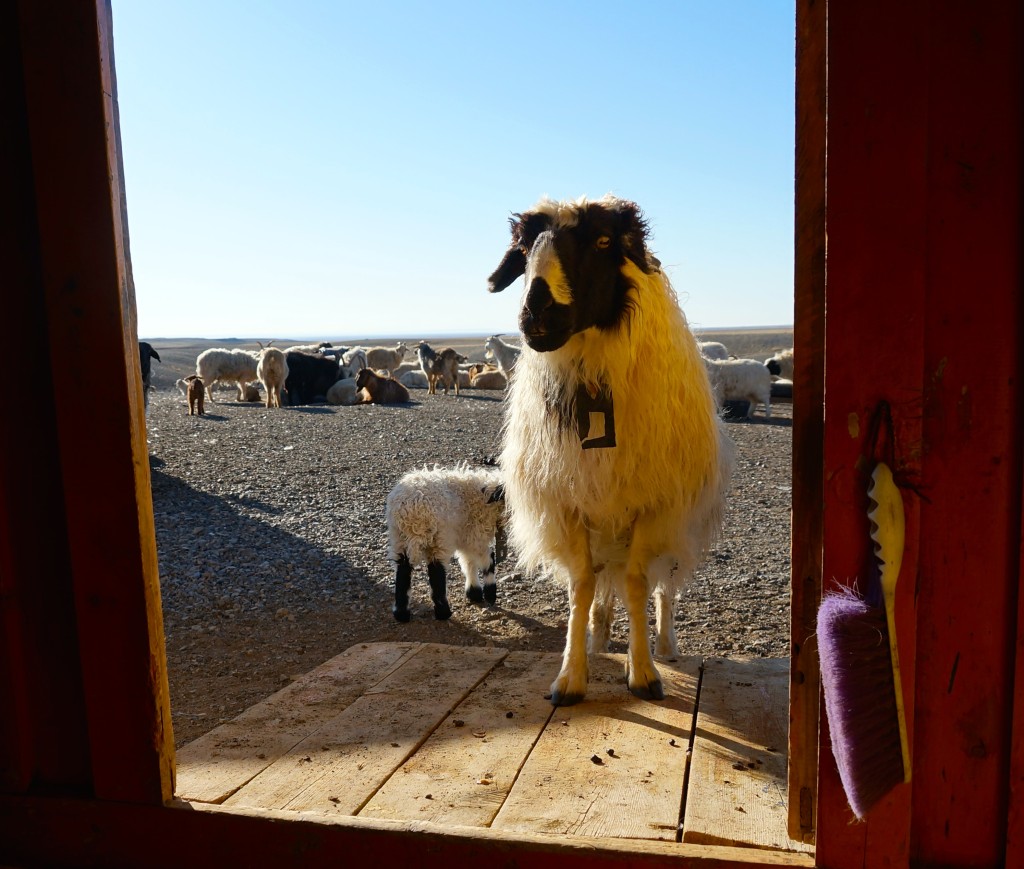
(219, 365)
(272, 371)
(435, 513)
(308, 348)
(413, 379)
(741, 380)
(614, 464)
(343, 392)
(781, 364)
(384, 357)
(505, 355)
(713, 350)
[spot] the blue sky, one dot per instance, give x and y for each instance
(331, 169)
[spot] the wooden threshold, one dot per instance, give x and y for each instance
(462, 737)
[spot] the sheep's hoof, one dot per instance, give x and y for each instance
(442, 611)
(401, 615)
(491, 593)
(646, 689)
(474, 594)
(565, 693)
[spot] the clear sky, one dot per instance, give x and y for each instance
(316, 169)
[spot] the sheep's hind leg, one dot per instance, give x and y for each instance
(403, 580)
(491, 583)
(474, 593)
(641, 675)
(665, 643)
(438, 590)
(570, 686)
(601, 612)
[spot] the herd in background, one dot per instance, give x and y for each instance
(308, 373)
(311, 373)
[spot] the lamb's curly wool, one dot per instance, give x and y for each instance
(637, 504)
(435, 513)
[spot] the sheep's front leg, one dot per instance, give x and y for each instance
(491, 583)
(571, 684)
(403, 580)
(641, 675)
(438, 590)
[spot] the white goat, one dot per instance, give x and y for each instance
(713, 350)
(741, 380)
(384, 357)
(272, 371)
(505, 355)
(435, 513)
(343, 392)
(353, 361)
(227, 366)
(614, 465)
(781, 364)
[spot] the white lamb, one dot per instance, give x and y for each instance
(713, 350)
(781, 364)
(505, 355)
(615, 465)
(219, 365)
(435, 513)
(384, 357)
(741, 380)
(272, 371)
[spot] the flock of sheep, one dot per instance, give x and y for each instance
(310, 373)
(614, 467)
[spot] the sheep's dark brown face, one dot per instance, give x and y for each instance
(571, 257)
(363, 377)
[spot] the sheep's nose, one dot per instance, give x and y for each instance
(539, 298)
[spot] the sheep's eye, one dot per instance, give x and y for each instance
(603, 242)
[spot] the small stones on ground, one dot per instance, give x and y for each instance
(596, 759)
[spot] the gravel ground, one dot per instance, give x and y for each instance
(272, 549)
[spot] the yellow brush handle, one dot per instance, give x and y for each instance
(887, 531)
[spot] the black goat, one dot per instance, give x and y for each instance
(309, 377)
(146, 355)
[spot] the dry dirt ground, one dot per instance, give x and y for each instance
(271, 537)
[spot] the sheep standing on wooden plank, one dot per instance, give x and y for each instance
(741, 380)
(435, 513)
(219, 365)
(612, 461)
(272, 371)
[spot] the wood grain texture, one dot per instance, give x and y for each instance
(217, 764)
(464, 771)
(635, 793)
(344, 762)
(737, 773)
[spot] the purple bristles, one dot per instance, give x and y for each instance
(860, 701)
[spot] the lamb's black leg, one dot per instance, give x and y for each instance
(438, 590)
(490, 583)
(403, 579)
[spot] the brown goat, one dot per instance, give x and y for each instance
(440, 365)
(374, 389)
(196, 392)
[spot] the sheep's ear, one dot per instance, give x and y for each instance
(512, 266)
(498, 494)
(633, 235)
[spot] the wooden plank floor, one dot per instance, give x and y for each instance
(462, 736)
